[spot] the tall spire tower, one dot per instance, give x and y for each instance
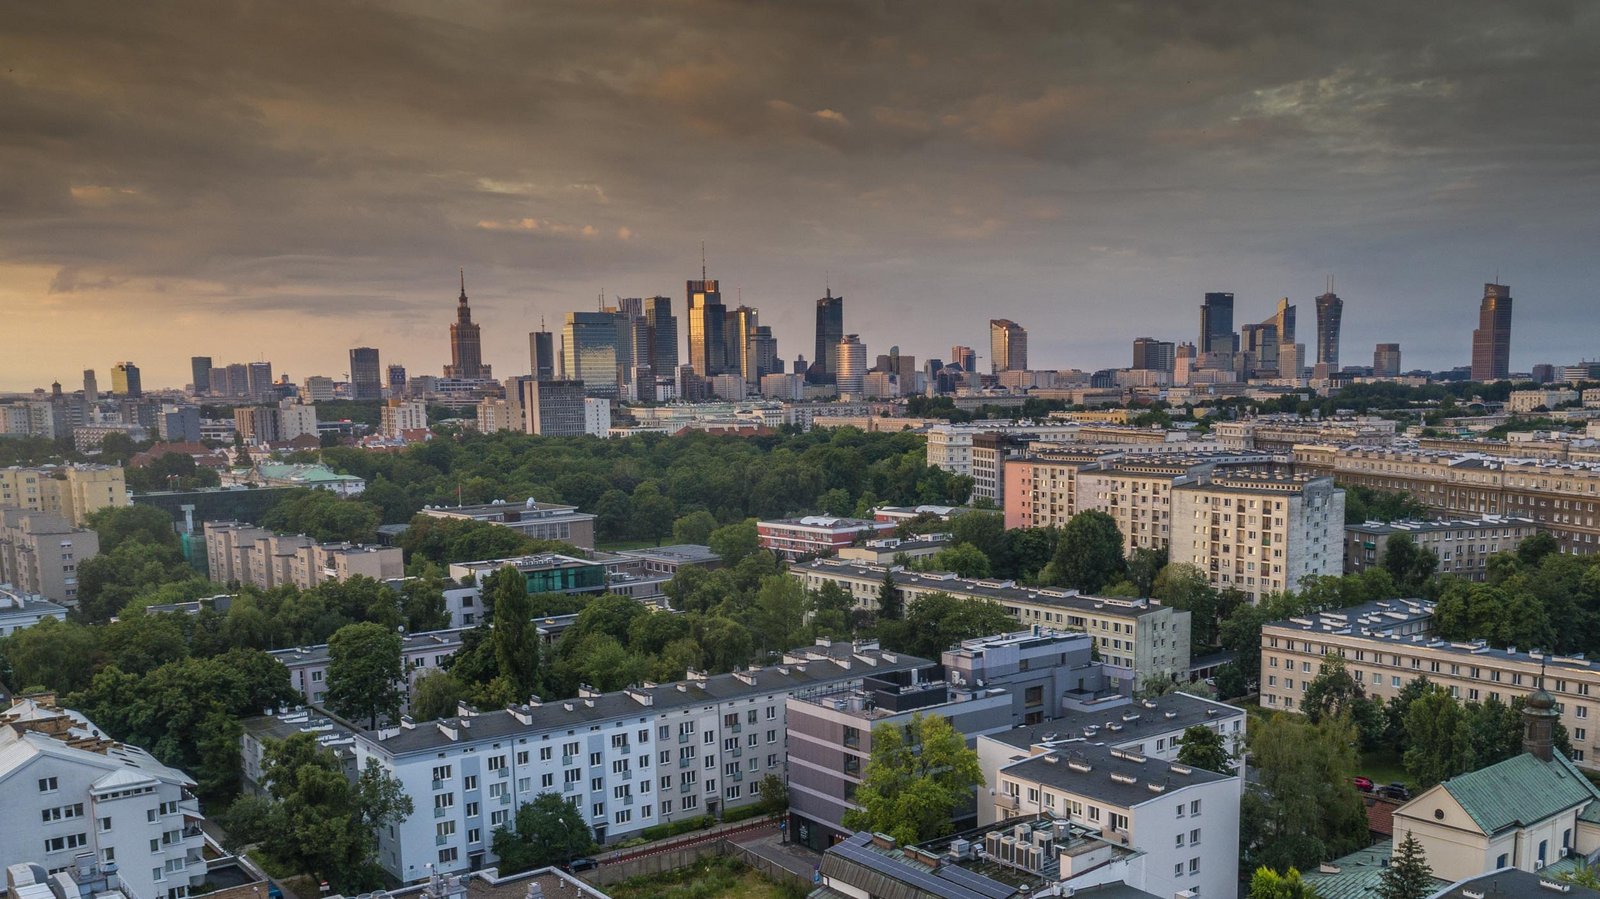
(466, 342)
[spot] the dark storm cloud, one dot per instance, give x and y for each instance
(318, 170)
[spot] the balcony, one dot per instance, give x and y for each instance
(438, 784)
(570, 786)
(440, 839)
(1007, 801)
(566, 761)
(683, 738)
(685, 787)
(438, 811)
(738, 776)
(737, 728)
(505, 798)
(685, 762)
(736, 751)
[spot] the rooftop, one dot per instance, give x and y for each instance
(678, 553)
(824, 521)
(1115, 776)
(14, 602)
(1121, 725)
(1510, 883)
(449, 639)
(1520, 791)
(813, 666)
(998, 590)
(1419, 526)
(506, 510)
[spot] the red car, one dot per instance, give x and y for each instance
(1364, 784)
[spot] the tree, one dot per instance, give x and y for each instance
(324, 516)
(1186, 588)
(1230, 680)
(1089, 555)
(56, 655)
(436, 695)
(1203, 748)
(516, 637)
(694, 528)
(735, 541)
(1333, 692)
(1269, 884)
(779, 613)
(1435, 723)
(937, 621)
(422, 604)
(1143, 567)
(889, 605)
(916, 778)
(117, 525)
(964, 559)
(652, 512)
(1532, 550)
(366, 675)
(1306, 810)
(774, 792)
(549, 830)
(1408, 875)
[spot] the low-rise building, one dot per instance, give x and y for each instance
(892, 550)
(544, 572)
(667, 560)
(631, 759)
(541, 521)
(1143, 638)
(68, 792)
(1463, 546)
(816, 535)
(242, 553)
(281, 474)
(40, 553)
(19, 610)
(1524, 401)
(421, 653)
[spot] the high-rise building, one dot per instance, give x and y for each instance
(398, 416)
(256, 424)
(200, 373)
(238, 380)
(1216, 325)
(591, 351)
(91, 390)
(830, 330)
(542, 355)
(1386, 361)
(1008, 346)
(466, 343)
(553, 408)
(739, 330)
(852, 356)
(1150, 354)
(964, 356)
(764, 350)
(1330, 309)
(258, 377)
(707, 319)
(1491, 342)
(366, 382)
(663, 327)
(397, 380)
(317, 389)
(125, 380)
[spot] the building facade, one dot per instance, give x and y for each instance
(816, 535)
(1491, 340)
(1463, 546)
(40, 553)
(466, 342)
(1008, 346)
(541, 521)
(1259, 535)
(71, 491)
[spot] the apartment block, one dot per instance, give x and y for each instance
(40, 553)
(421, 653)
(1386, 645)
(541, 521)
(398, 416)
(1142, 638)
(19, 610)
(1043, 487)
(1185, 819)
(1259, 534)
(817, 535)
(242, 553)
(1562, 498)
(69, 792)
(650, 754)
(1463, 546)
(71, 491)
(1525, 401)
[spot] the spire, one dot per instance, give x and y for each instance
(463, 284)
(702, 260)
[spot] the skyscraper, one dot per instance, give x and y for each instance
(1150, 354)
(258, 379)
(238, 380)
(125, 380)
(1491, 342)
(200, 373)
(738, 333)
(707, 318)
(366, 382)
(91, 389)
(1008, 346)
(1330, 309)
(764, 351)
(1386, 361)
(542, 354)
(591, 351)
(830, 330)
(852, 356)
(964, 356)
(466, 343)
(1216, 324)
(397, 380)
(663, 336)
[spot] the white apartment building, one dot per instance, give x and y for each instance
(19, 610)
(1386, 645)
(1143, 638)
(631, 759)
(67, 791)
(1185, 819)
(399, 416)
(421, 653)
(1259, 535)
(1524, 401)
(596, 416)
(950, 448)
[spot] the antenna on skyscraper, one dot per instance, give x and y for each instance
(463, 282)
(702, 260)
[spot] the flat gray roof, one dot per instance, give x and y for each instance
(1137, 779)
(999, 591)
(1123, 724)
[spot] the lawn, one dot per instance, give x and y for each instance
(1383, 766)
(711, 878)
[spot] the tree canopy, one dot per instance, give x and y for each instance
(915, 779)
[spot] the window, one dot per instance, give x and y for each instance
(498, 818)
(446, 856)
(1194, 865)
(470, 782)
(48, 785)
(472, 809)
(1194, 808)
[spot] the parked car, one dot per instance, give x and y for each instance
(582, 864)
(1364, 784)
(1395, 791)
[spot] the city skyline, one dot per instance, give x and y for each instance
(315, 198)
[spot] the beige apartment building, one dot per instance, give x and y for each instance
(1259, 534)
(71, 491)
(40, 553)
(246, 554)
(1388, 644)
(1463, 546)
(1143, 637)
(1562, 498)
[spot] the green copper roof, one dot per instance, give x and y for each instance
(1519, 791)
(1355, 876)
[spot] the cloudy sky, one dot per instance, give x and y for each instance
(287, 180)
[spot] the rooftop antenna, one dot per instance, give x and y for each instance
(702, 260)
(463, 283)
